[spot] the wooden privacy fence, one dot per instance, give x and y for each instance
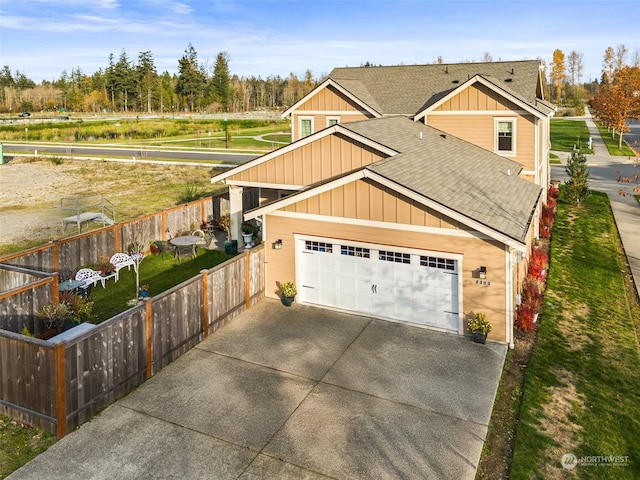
(62, 258)
(56, 387)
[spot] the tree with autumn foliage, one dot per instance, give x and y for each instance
(618, 100)
(558, 75)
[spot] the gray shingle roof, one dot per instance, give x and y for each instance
(454, 173)
(408, 89)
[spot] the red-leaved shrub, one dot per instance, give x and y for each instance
(532, 290)
(524, 319)
(538, 264)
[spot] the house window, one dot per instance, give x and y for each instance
(306, 127)
(505, 136)
(332, 121)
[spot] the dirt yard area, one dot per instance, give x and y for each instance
(31, 191)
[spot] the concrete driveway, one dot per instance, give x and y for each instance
(296, 392)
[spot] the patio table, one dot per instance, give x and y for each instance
(186, 240)
(69, 285)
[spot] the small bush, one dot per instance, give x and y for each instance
(524, 319)
(190, 193)
(538, 264)
(56, 160)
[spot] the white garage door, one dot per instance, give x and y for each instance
(417, 287)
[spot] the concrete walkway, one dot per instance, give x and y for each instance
(296, 393)
(604, 171)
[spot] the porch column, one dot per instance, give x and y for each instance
(235, 209)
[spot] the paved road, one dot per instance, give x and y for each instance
(137, 152)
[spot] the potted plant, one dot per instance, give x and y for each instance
(144, 290)
(249, 230)
(287, 293)
(106, 269)
(480, 327)
(224, 222)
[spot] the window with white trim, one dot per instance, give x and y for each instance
(505, 141)
(306, 127)
(332, 121)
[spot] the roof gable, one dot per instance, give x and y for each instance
(457, 178)
(538, 109)
(409, 89)
(356, 94)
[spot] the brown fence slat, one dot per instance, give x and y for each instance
(57, 391)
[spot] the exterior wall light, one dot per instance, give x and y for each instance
(277, 245)
(483, 272)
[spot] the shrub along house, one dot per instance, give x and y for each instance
(409, 193)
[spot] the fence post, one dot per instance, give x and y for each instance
(56, 256)
(60, 367)
(149, 323)
(205, 303)
(118, 247)
(247, 278)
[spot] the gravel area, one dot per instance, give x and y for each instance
(30, 196)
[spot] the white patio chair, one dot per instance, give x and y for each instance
(89, 277)
(121, 260)
(202, 243)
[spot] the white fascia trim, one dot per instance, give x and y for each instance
(322, 86)
(527, 172)
(277, 186)
(445, 211)
(449, 232)
(479, 79)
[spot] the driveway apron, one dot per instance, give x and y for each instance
(298, 392)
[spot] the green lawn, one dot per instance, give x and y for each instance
(19, 444)
(612, 143)
(582, 387)
(565, 134)
(159, 272)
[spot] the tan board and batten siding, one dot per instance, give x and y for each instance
(325, 158)
(479, 129)
(375, 204)
(328, 102)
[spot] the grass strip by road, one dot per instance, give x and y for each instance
(567, 134)
(583, 382)
(612, 143)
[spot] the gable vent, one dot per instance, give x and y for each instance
(508, 79)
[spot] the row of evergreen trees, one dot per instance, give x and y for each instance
(128, 86)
